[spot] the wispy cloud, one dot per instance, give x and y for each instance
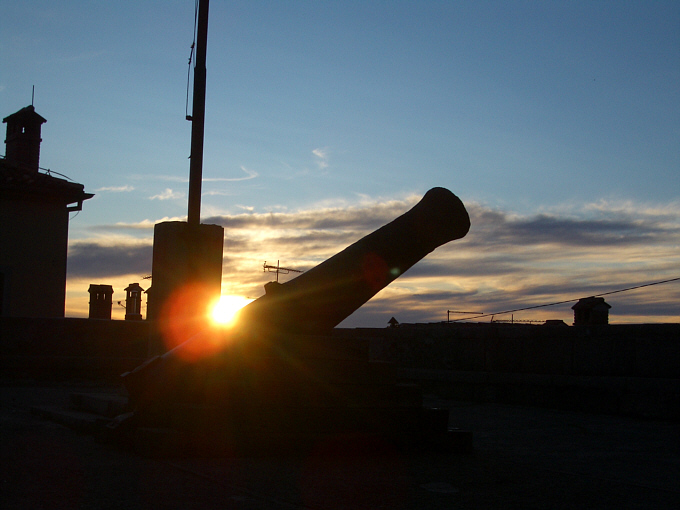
(507, 261)
(156, 177)
(168, 194)
(145, 224)
(116, 189)
(250, 174)
(321, 157)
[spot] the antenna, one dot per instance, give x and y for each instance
(32, 95)
(278, 269)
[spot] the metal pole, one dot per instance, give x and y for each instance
(198, 117)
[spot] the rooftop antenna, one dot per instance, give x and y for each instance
(198, 116)
(278, 269)
(32, 95)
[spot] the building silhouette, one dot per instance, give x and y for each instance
(591, 311)
(34, 217)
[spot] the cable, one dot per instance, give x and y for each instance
(638, 287)
(566, 301)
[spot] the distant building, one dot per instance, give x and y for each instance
(591, 311)
(34, 217)
(554, 322)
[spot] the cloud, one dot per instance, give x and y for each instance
(321, 157)
(507, 261)
(143, 225)
(250, 174)
(98, 260)
(168, 194)
(608, 228)
(217, 193)
(116, 189)
(362, 217)
(155, 177)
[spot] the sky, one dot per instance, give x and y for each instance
(556, 123)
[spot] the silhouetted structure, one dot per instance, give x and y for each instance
(133, 302)
(101, 300)
(278, 376)
(321, 298)
(555, 322)
(187, 277)
(187, 257)
(591, 311)
(34, 208)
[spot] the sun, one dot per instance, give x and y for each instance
(224, 311)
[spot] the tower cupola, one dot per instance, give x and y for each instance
(23, 139)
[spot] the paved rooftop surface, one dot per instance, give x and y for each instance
(524, 458)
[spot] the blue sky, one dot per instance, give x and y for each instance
(557, 123)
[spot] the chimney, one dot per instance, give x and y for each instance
(591, 311)
(23, 139)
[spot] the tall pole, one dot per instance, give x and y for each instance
(198, 117)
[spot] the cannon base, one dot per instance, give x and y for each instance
(291, 396)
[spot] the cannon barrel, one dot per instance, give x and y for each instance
(319, 299)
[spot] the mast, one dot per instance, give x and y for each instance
(198, 117)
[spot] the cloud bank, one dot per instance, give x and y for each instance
(507, 261)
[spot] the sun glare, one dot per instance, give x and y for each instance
(225, 309)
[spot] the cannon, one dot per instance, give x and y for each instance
(313, 303)
(319, 299)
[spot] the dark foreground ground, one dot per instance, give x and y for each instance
(524, 458)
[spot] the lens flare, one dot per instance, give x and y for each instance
(225, 310)
(183, 316)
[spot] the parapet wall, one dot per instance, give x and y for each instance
(644, 350)
(617, 369)
(90, 349)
